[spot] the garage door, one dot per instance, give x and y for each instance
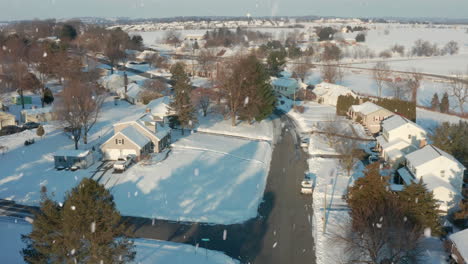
(115, 154)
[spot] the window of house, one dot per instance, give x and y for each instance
(409, 136)
(119, 141)
(442, 173)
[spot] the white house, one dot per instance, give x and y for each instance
(399, 137)
(133, 94)
(440, 171)
(328, 93)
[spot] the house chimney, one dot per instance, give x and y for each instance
(422, 143)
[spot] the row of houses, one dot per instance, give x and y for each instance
(403, 147)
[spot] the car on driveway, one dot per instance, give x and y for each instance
(307, 186)
(122, 164)
(9, 130)
(31, 125)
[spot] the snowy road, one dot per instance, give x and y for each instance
(282, 231)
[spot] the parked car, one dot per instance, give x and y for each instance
(31, 125)
(305, 142)
(122, 164)
(307, 185)
(8, 130)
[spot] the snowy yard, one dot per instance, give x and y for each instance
(148, 251)
(206, 178)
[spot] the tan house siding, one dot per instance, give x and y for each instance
(6, 119)
(154, 139)
(38, 118)
(373, 120)
(111, 144)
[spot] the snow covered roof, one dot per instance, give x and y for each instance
(39, 110)
(285, 82)
(460, 239)
(405, 175)
(428, 153)
(397, 121)
(72, 153)
(133, 90)
(366, 108)
(114, 82)
(159, 107)
(397, 144)
(332, 90)
(135, 136)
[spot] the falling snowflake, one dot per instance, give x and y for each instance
(224, 234)
(136, 193)
(196, 172)
(379, 225)
(73, 207)
(275, 244)
(72, 252)
(246, 101)
(427, 232)
(44, 55)
(93, 227)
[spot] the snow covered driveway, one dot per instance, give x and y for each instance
(206, 178)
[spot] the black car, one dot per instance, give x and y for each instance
(8, 130)
(31, 125)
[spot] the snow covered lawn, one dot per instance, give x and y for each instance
(206, 178)
(216, 124)
(148, 251)
(429, 120)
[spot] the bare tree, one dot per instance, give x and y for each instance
(301, 68)
(79, 108)
(399, 87)
(157, 86)
(202, 98)
(458, 88)
(451, 48)
(172, 37)
(381, 73)
(331, 73)
(331, 129)
(349, 152)
(206, 60)
(413, 83)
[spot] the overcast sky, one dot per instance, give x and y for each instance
(29, 9)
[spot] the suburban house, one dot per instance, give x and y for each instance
(399, 137)
(67, 158)
(285, 86)
(440, 171)
(457, 246)
(38, 115)
(370, 115)
(140, 138)
(133, 94)
(6, 119)
(159, 109)
(327, 93)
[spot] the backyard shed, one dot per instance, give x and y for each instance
(67, 158)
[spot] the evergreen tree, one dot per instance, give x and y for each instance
(48, 97)
(462, 214)
(444, 104)
(40, 131)
(182, 105)
(259, 99)
(276, 61)
(421, 206)
(87, 229)
(68, 32)
(195, 45)
(435, 103)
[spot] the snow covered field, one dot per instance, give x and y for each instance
(148, 251)
(206, 178)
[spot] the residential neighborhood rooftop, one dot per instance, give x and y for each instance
(72, 153)
(135, 136)
(366, 108)
(397, 121)
(428, 153)
(461, 240)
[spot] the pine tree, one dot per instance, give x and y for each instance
(462, 214)
(444, 104)
(259, 99)
(182, 105)
(48, 97)
(435, 103)
(40, 131)
(87, 229)
(421, 206)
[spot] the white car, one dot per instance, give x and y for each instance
(305, 143)
(123, 164)
(307, 187)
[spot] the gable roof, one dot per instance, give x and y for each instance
(427, 154)
(396, 121)
(72, 153)
(133, 90)
(135, 136)
(160, 106)
(367, 108)
(460, 239)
